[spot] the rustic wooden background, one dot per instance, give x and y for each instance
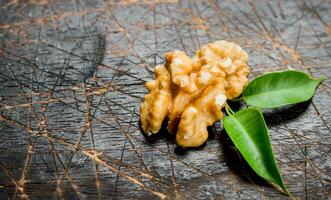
(72, 77)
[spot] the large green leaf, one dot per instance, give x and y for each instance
(280, 88)
(249, 133)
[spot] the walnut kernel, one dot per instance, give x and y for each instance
(190, 92)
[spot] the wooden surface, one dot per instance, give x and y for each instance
(72, 77)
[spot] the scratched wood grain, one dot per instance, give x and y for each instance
(72, 77)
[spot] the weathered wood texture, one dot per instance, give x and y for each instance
(72, 77)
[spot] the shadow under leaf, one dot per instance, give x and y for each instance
(284, 114)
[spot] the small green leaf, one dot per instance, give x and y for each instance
(249, 133)
(279, 89)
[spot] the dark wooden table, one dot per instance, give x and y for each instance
(72, 77)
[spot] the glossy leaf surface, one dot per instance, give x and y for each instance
(248, 131)
(280, 88)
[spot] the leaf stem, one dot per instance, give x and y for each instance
(228, 110)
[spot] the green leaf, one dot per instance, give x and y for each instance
(280, 88)
(249, 133)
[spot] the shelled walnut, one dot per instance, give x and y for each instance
(190, 92)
